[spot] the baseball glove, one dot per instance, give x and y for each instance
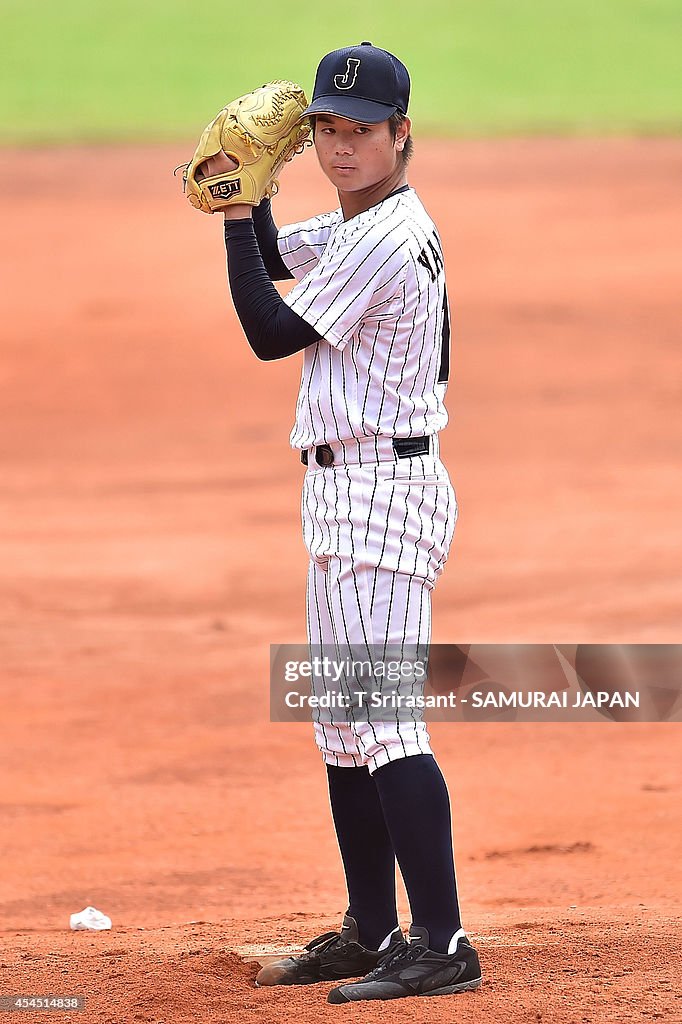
(259, 131)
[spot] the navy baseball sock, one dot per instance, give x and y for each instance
(366, 851)
(416, 807)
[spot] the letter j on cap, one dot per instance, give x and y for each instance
(347, 81)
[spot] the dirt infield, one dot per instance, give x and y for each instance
(151, 551)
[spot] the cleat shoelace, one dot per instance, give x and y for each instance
(316, 949)
(405, 953)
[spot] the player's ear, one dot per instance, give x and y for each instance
(402, 134)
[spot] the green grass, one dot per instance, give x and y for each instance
(98, 70)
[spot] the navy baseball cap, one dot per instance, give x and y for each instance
(362, 83)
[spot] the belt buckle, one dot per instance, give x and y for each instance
(324, 456)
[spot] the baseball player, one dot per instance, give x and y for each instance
(369, 311)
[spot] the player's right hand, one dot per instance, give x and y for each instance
(217, 164)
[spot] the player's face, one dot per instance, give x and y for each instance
(355, 156)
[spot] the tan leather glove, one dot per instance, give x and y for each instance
(259, 131)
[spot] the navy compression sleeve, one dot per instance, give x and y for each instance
(271, 328)
(266, 236)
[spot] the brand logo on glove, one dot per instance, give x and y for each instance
(225, 189)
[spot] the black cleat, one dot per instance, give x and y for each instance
(415, 970)
(329, 957)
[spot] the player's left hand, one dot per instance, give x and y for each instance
(257, 133)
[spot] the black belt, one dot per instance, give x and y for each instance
(404, 447)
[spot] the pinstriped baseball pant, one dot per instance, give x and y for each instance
(378, 535)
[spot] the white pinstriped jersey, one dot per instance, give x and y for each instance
(374, 288)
